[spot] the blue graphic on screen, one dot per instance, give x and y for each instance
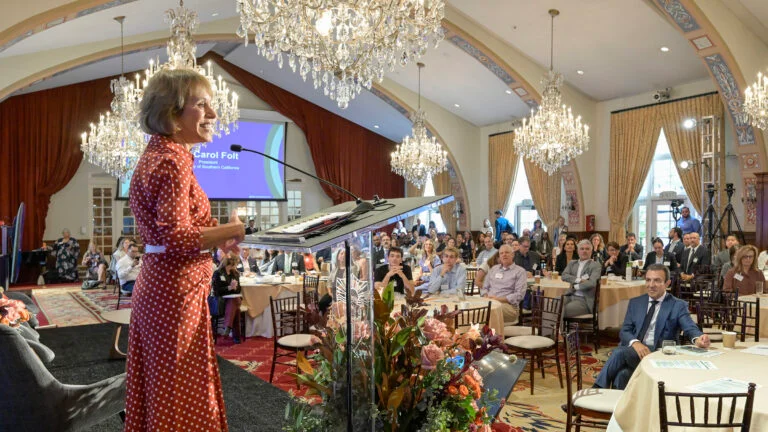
(227, 175)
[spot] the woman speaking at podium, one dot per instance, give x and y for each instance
(172, 377)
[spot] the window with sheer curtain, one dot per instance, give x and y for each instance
(429, 215)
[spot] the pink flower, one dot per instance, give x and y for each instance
(12, 312)
(436, 330)
(475, 374)
(484, 428)
(430, 355)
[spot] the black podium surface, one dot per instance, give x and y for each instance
(390, 211)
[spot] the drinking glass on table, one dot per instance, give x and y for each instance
(668, 347)
(759, 287)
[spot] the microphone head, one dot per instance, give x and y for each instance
(235, 147)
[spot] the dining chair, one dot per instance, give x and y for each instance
(748, 320)
(469, 317)
(470, 289)
(523, 325)
(471, 274)
(310, 289)
(687, 402)
(717, 312)
(596, 404)
(287, 339)
(588, 323)
(545, 329)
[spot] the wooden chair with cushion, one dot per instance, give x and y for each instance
(287, 339)
(545, 329)
(469, 317)
(523, 325)
(595, 404)
(588, 323)
(725, 417)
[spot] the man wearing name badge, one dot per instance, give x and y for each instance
(394, 270)
(287, 262)
(659, 256)
(687, 223)
(449, 277)
(651, 319)
(525, 257)
(675, 245)
(487, 252)
(724, 256)
(380, 255)
(695, 257)
(583, 275)
(506, 283)
(248, 263)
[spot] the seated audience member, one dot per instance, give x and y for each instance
(336, 279)
(128, 269)
(544, 245)
(246, 262)
(95, 264)
(399, 229)
(537, 233)
(226, 280)
(487, 251)
(567, 255)
(268, 263)
(450, 277)
(676, 245)
(359, 260)
(642, 333)
(251, 228)
(289, 262)
(557, 249)
(514, 243)
(121, 248)
(744, 274)
(506, 283)
(464, 244)
(583, 275)
(724, 256)
(632, 250)
(442, 242)
(762, 259)
(599, 253)
(729, 265)
(487, 228)
(310, 264)
(484, 268)
(324, 256)
(616, 264)
(429, 259)
(395, 271)
(419, 229)
(380, 255)
(67, 250)
(658, 256)
(416, 250)
(526, 258)
(695, 256)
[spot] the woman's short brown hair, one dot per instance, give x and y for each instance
(164, 98)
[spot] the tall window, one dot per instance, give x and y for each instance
(431, 215)
(101, 199)
(129, 222)
(521, 211)
(270, 214)
(652, 215)
(220, 211)
(294, 204)
(247, 210)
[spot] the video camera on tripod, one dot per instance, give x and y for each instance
(676, 204)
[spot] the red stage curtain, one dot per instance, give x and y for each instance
(40, 148)
(343, 152)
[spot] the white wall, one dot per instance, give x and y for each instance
(70, 207)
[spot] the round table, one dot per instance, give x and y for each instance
(120, 317)
(256, 293)
(614, 297)
(763, 312)
(496, 321)
(638, 408)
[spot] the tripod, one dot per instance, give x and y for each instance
(709, 217)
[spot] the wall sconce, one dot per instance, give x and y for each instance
(750, 194)
(685, 165)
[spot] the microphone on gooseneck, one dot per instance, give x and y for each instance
(362, 206)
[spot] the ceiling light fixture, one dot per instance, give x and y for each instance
(580, 72)
(508, 91)
(457, 105)
(419, 156)
(345, 45)
(376, 126)
(686, 165)
(664, 49)
(551, 136)
(689, 123)
(755, 109)
(215, 14)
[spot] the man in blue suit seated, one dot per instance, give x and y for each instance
(651, 319)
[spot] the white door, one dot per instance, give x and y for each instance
(661, 220)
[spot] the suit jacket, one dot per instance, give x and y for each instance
(636, 255)
(252, 262)
(619, 268)
(534, 261)
(297, 259)
(379, 257)
(678, 250)
(249, 230)
(668, 257)
(699, 259)
(586, 287)
(673, 317)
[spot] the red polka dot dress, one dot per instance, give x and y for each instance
(173, 379)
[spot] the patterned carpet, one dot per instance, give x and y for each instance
(63, 307)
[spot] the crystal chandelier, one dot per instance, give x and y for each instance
(344, 44)
(756, 103)
(116, 142)
(552, 136)
(420, 156)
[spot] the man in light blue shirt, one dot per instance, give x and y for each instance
(487, 252)
(506, 283)
(688, 223)
(449, 277)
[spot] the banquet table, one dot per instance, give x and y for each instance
(638, 408)
(614, 297)
(496, 321)
(256, 292)
(763, 312)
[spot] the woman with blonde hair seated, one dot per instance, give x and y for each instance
(95, 264)
(744, 274)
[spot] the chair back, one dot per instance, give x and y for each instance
(685, 412)
(572, 363)
(286, 315)
(546, 313)
(469, 317)
(596, 303)
(471, 274)
(723, 315)
(310, 289)
(470, 289)
(749, 318)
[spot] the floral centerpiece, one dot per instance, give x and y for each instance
(424, 377)
(12, 312)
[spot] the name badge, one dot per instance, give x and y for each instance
(381, 260)
(585, 278)
(666, 263)
(223, 279)
(738, 277)
(535, 266)
(695, 260)
(294, 264)
(499, 276)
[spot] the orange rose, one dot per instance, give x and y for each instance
(452, 390)
(463, 390)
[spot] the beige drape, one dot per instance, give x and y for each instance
(411, 191)
(685, 144)
(442, 184)
(633, 141)
(545, 191)
(502, 170)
